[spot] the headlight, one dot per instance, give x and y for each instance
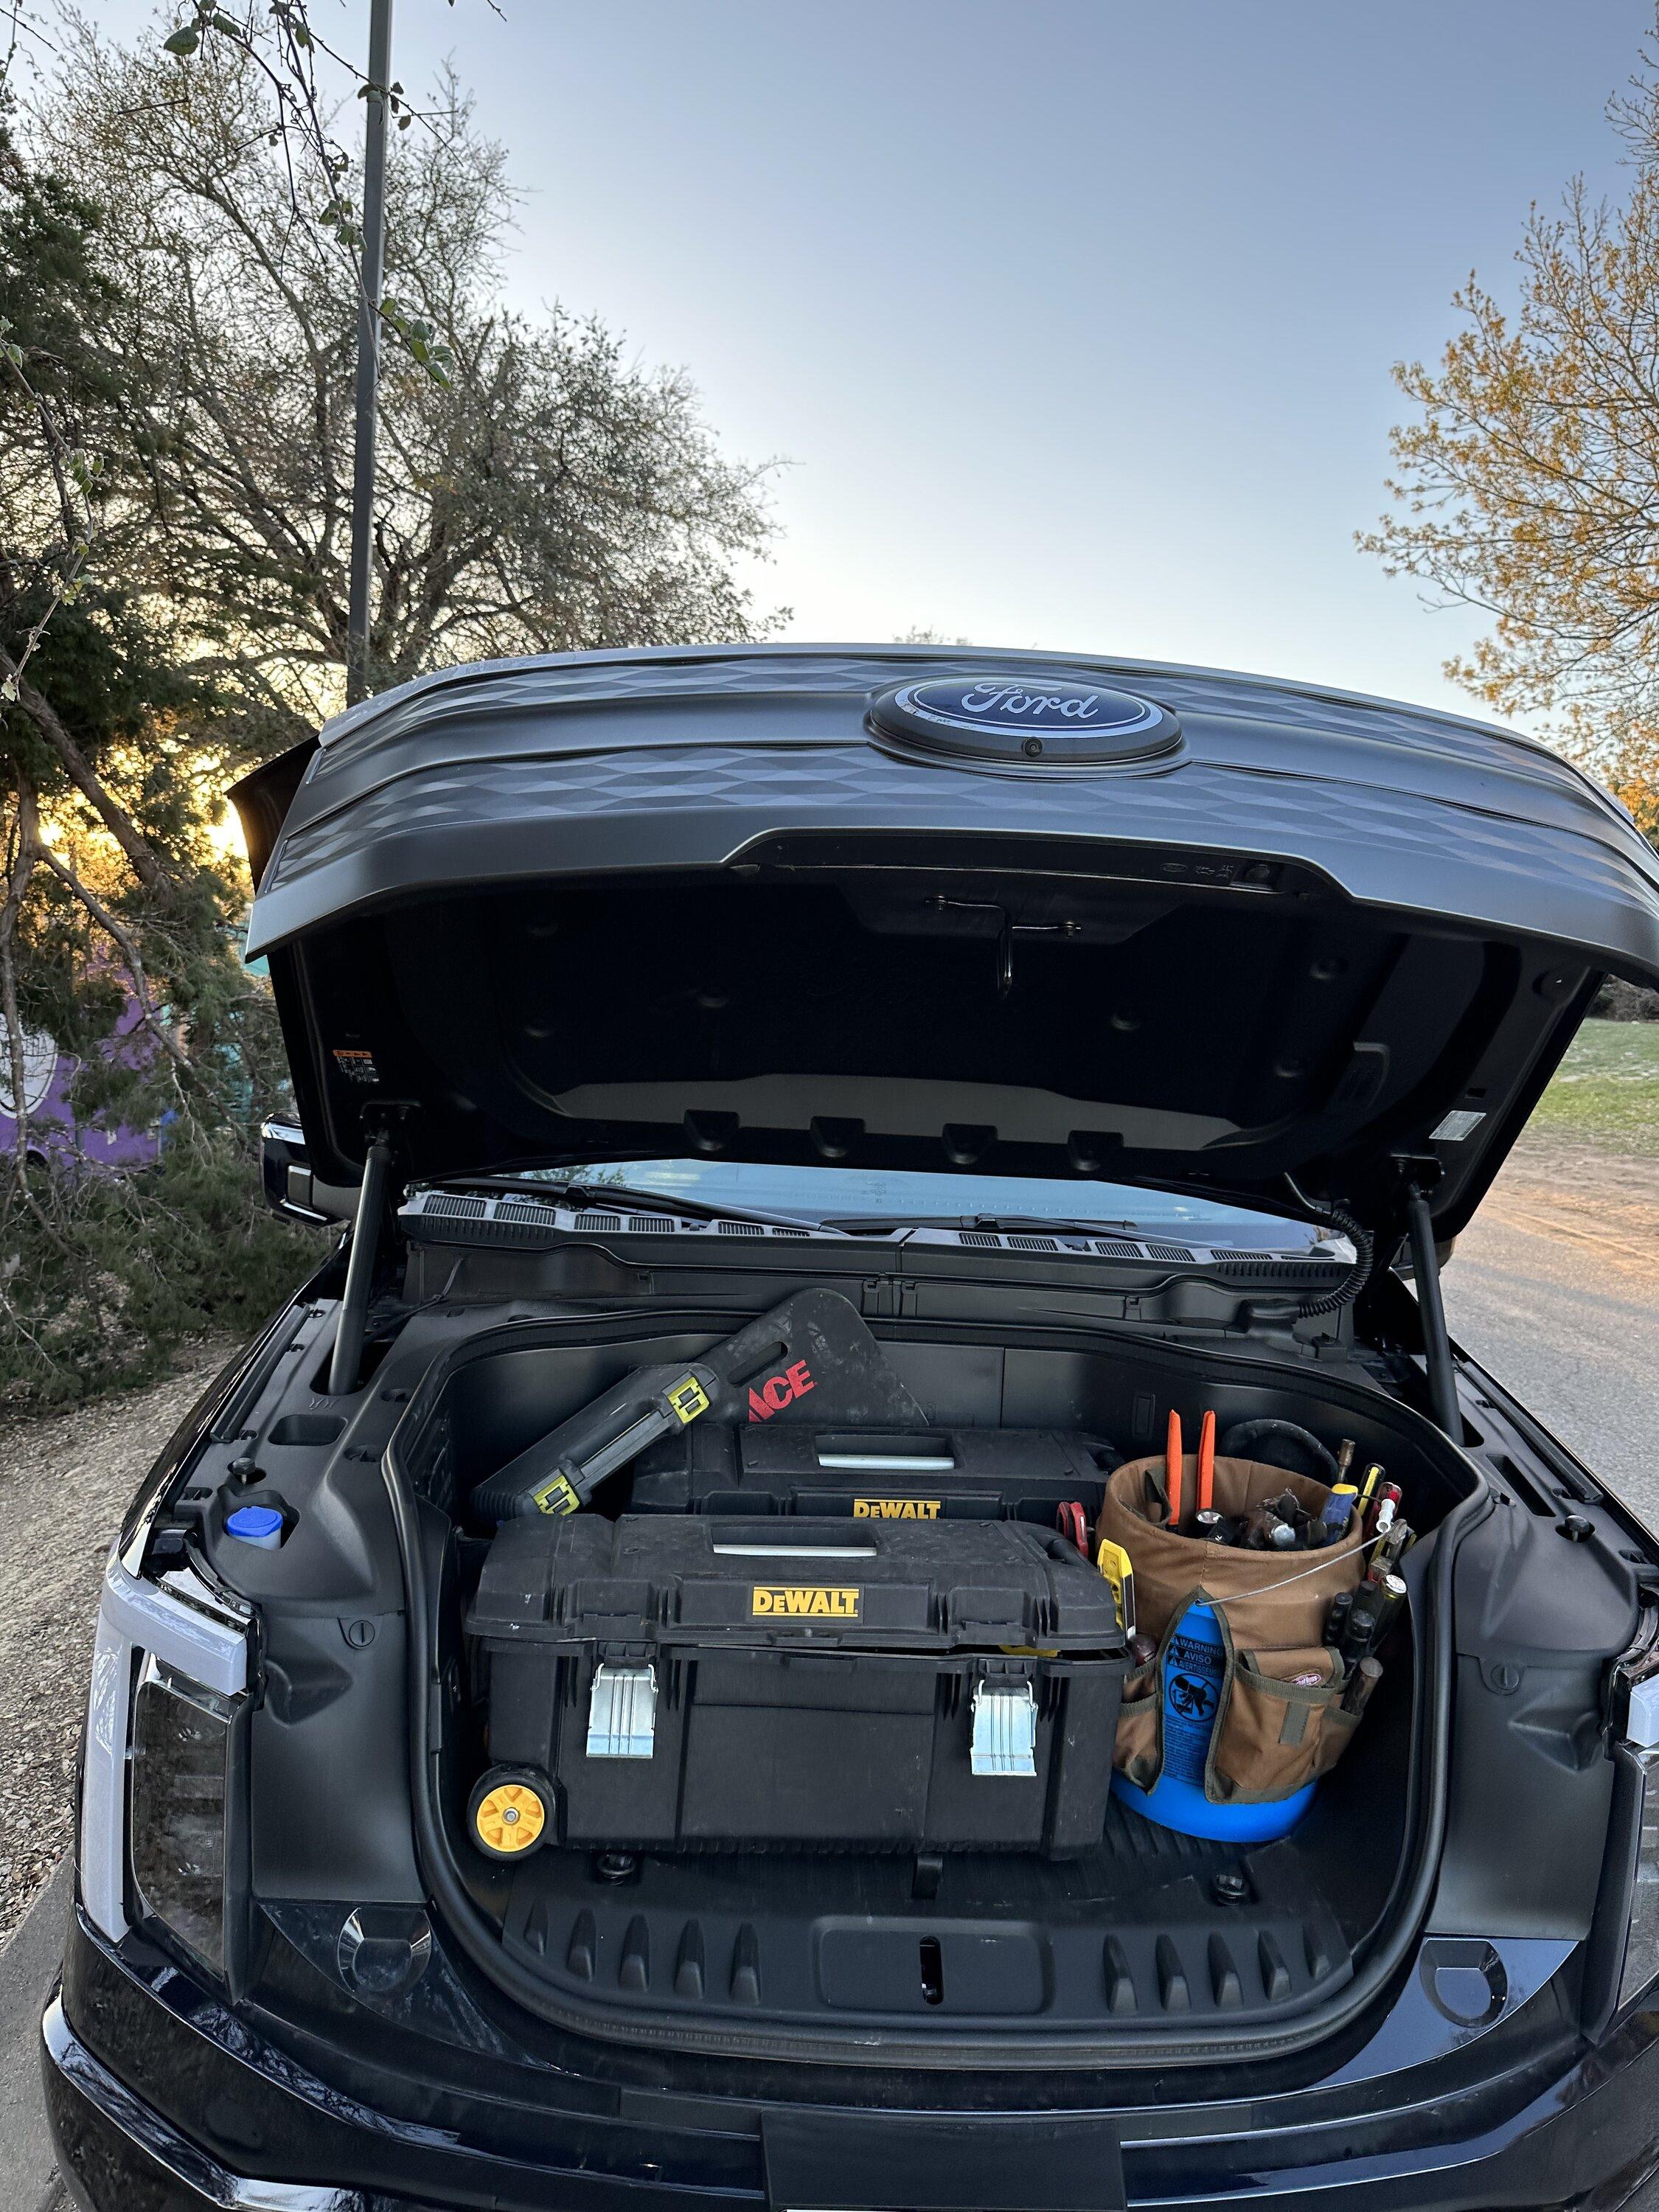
(163, 1834)
(1642, 1943)
(182, 1804)
(1623, 1960)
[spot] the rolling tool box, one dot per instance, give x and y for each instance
(929, 1474)
(696, 1680)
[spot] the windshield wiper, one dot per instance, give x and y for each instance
(599, 1195)
(871, 1223)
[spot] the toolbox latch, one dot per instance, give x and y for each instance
(622, 1713)
(1005, 1728)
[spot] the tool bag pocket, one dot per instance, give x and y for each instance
(1276, 1733)
(1136, 1751)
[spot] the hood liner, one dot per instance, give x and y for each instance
(701, 910)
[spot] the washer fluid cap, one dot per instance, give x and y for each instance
(1026, 721)
(256, 1524)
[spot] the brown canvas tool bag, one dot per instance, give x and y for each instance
(1273, 1733)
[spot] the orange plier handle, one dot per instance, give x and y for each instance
(1207, 1463)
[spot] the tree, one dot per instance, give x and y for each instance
(176, 354)
(112, 894)
(549, 493)
(1528, 484)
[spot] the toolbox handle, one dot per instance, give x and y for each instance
(793, 1550)
(889, 1462)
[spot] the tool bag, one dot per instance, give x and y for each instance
(1273, 1735)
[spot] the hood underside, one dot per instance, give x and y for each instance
(711, 905)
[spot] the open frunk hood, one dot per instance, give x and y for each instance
(895, 907)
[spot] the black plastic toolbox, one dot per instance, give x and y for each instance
(925, 1475)
(701, 1681)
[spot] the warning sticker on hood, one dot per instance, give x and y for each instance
(355, 1064)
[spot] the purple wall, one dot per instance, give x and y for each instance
(52, 1127)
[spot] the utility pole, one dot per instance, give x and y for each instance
(368, 346)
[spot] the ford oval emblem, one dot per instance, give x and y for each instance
(1029, 719)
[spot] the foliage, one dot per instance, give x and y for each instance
(140, 1262)
(176, 360)
(1526, 485)
(549, 494)
(1619, 1001)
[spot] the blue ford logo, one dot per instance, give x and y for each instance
(1040, 720)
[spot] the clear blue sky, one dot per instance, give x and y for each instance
(1073, 317)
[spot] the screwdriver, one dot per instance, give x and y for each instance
(1207, 1463)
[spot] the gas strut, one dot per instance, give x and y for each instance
(1436, 1345)
(360, 1269)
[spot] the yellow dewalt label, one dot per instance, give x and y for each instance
(689, 1399)
(897, 1509)
(798, 1601)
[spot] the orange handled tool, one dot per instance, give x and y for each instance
(1172, 1467)
(1207, 1463)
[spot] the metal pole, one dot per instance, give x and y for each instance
(348, 1354)
(368, 347)
(1436, 1345)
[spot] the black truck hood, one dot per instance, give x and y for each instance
(995, 913)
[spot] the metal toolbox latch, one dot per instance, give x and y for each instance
(622, 1713)
(1005, 1728)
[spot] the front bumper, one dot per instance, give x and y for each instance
(180, 2108)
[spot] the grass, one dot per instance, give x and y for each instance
(1606, 1093)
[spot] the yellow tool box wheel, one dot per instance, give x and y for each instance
(508, 1813)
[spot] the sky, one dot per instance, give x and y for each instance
(1072, 319)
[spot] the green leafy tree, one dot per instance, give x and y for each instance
(1526, 483)
(176, 371)
(544, 493)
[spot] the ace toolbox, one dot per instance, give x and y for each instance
(697, 1681)
(925, 1475)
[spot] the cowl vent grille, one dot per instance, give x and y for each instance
(538, 1216)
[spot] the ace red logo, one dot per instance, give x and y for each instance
(779, 1391)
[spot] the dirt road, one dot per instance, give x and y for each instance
(1555, 1289)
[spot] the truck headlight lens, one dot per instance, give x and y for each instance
(180, 1809)
(1642, 1944)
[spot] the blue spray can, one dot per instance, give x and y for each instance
(1195, 1676)
(1194, 1669)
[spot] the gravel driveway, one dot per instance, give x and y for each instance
(64, 1482)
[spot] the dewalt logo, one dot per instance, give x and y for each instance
(798, 1601)
(897, 1509)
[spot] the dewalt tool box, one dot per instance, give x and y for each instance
(698, 1680)
(917, 1474)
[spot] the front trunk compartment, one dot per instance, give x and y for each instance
(1145, 1934)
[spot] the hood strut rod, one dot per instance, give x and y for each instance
(1436, 1345)
(348, 1356)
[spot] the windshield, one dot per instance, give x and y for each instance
(816, 1194)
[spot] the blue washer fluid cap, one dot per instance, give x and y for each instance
(256, 1524)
